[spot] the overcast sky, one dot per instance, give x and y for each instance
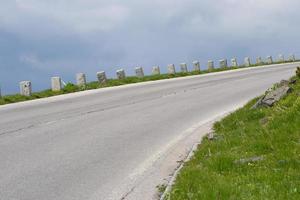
(44, 38)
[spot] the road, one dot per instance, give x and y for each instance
(119, 142)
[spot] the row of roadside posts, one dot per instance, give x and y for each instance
(57, 84)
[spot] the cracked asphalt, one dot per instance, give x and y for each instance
(116, 143)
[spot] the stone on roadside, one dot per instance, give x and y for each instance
(273, 96)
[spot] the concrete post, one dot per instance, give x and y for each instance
(269, 60)
(139, 72)
(81, 79)
(56, 84)
(259, 61)
(196, 65)
(210, 65)
(156, 70)
(247, 62)
(171, 69)
(25, 88)
(292, 58)
(101, 76)
(223, 63)
(234, 62)
(280, 58)
(121, 74)
(183, 67)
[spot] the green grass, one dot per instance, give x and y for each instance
(274, 133)
(71, 88)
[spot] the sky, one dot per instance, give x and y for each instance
(44, 38)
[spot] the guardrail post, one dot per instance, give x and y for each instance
(156, 70)
(234, 62)
(196, 65)
(101, 76)
(25, 88)
(171, 69)
(183, 67)
(292, 58)
(210, 65)
(81, 79)
(247, 62)
(139, 72)
(280, 58)
(121, 74)
(223, 63)
(56, 84)
(269, 60)
(259, 61)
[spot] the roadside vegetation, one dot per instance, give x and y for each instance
(71, 88)
(254, 154)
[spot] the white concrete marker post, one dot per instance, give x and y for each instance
(210, 65)
(139, 72)
(56, 84)
(269, 60)
(101, 76)
(25, 88)
(234, 62)
(156, 70)
(81, 79)
(223, 63)
(247, 62)
(121, 74)
(171, 69)
(259, 61)
(183, 67)
(280, 58)
(196, 65)
(292, 58)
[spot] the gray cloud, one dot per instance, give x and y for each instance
(42, 38)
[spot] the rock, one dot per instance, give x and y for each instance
(293, 81)
(298, 72)
(274, 96)
(249, 160)
(283, 83)
(211, 136)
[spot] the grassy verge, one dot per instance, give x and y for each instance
(255, 155)
(71, 88)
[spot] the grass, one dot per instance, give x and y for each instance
(71, 88)
(272, 134)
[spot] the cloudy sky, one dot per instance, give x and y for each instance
(44, 38)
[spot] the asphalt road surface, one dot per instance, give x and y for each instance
(115, 143)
